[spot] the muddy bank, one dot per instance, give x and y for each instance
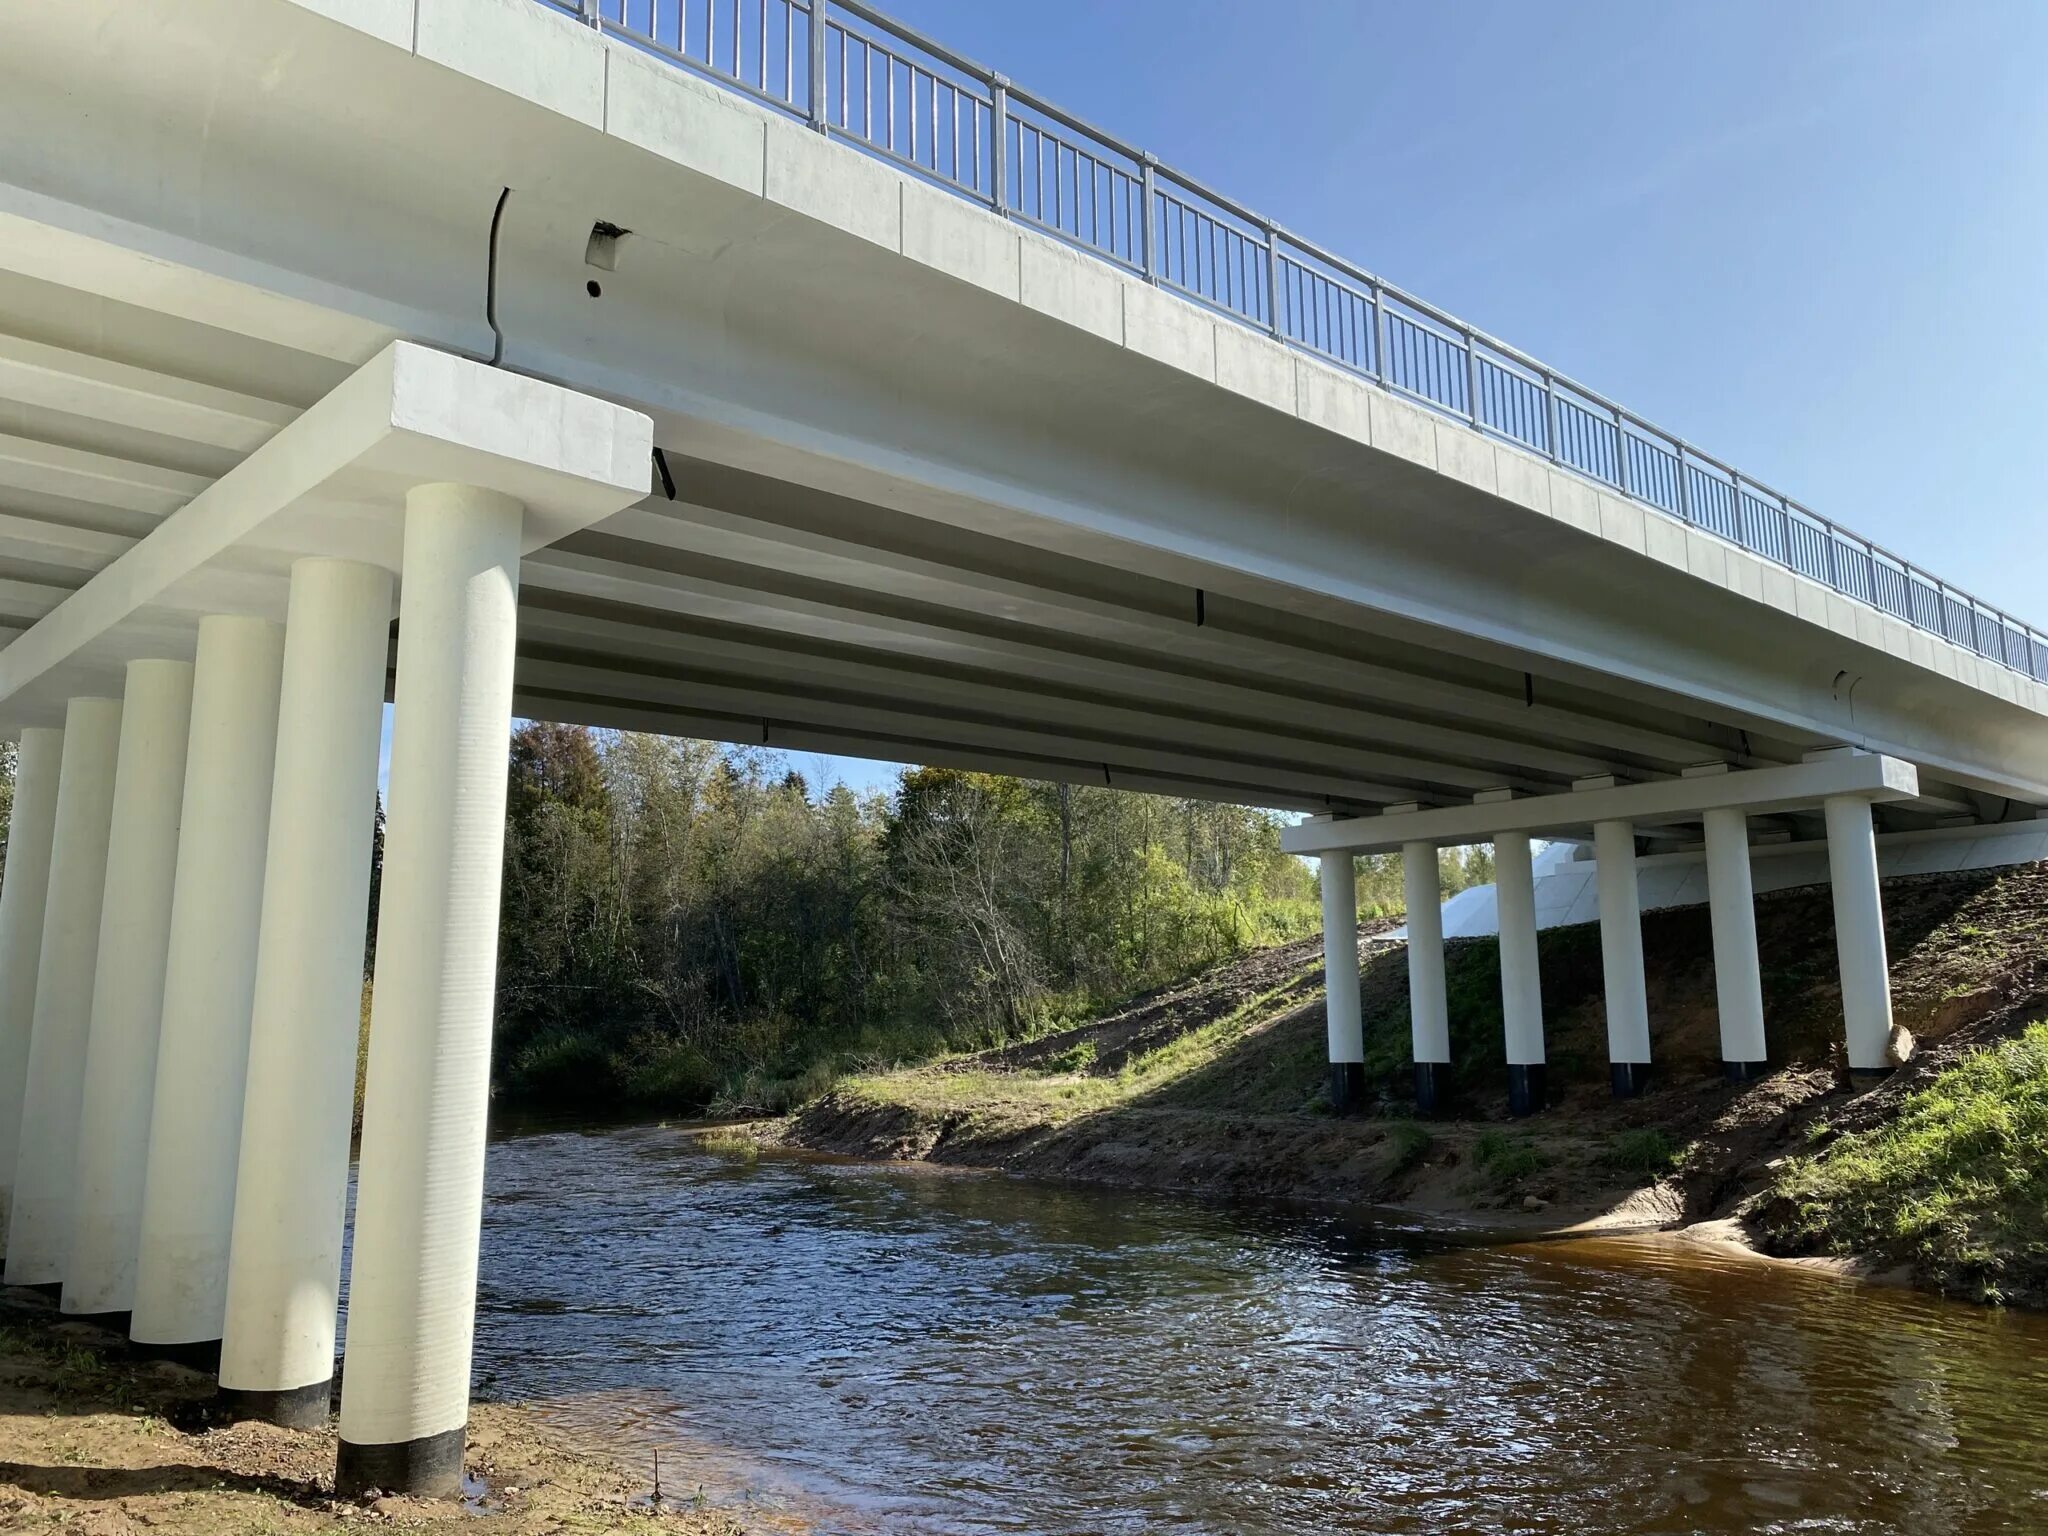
(1216, 1087)
(97, 1442)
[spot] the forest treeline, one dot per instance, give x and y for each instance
(687, 925)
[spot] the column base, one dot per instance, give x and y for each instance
(304, 1407)
(1347, 1086)
(1744, 1071)
(54, 1289)
(1870, 1076)
(1629, 1078)
(1527, 1089)
(1432, 1087)
(203, 1355)
(428, 1468)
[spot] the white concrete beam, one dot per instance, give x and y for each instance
(410, 416)
(1755, 792)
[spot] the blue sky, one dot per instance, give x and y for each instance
(1811, 236)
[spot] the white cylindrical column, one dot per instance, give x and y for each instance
(1738, 975)
(1339, 880)
(128, 990)
(39, 1227)
(1621, 956)
(291, 1190)
(1521, 973)
(195, 1133)
(419, 1197)
(26, 889)
(1429, 1019)
(1859, 933)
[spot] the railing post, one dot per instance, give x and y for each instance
(819, 119)
(1472, 380)
(999, 162)
(1621, 453)
(1550, 419)
(1379, 333)
(1273, 280)
(1148, 189)
(588, 13)
(1684, 487)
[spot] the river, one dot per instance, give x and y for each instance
(903, 1350)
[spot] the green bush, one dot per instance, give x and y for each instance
(1956, 1182)
(671, 1074)
(1646, 1153)
(563, 1066)
(1505, 1158)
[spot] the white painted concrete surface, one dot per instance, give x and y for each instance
(1621, 945)
(202, 1056)
(39, 1226)
(26, 889)
(1346, 1031)
(1859, 932)
(1521, 975)
(1731, 902)
(419, 1196)
(128, 988)
(1428, 1006)
(291, 1190)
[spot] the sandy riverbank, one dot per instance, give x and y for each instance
(97, 1443)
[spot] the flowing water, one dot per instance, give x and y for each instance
(898, 1350)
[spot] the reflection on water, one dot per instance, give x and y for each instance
(895, 1351)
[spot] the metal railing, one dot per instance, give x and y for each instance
(854, 74)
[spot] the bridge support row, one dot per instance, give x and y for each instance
(185, 904)
(190, 877)
(1859, 927)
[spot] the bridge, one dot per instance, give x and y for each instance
(759, 370)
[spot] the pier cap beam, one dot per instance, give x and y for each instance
(334, 482)
(1755, 792)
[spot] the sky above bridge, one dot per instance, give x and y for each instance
(1809, 238)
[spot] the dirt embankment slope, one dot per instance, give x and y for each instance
(1218, 1085)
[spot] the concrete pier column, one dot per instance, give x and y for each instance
(39, 1226)
(1521, 977)
(419, 1198)
(1621, 956)
(1859, 933)
(195, 1130)
(291, 1189)
(1738, 978)
(1339, 880)
(128, 991)
(1429, 1020)
(26, 889)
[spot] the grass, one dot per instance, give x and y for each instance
(1956, 1183)
(1646, 1154)
(1504, 1158)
